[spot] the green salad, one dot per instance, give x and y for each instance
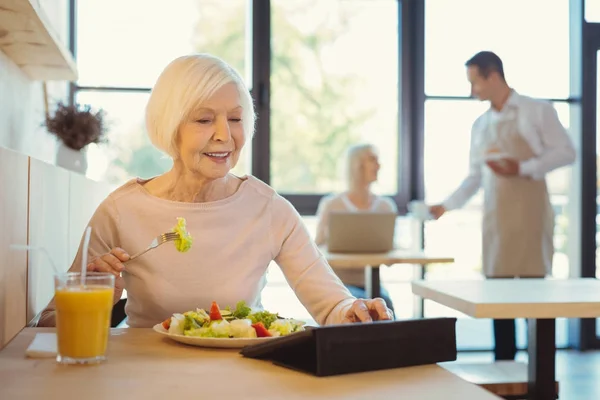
(242, 322)
(184, 242)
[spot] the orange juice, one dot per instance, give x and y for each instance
(83, 320)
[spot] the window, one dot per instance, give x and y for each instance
(138, 38)
(536, 63)
(533, 44)
(448, 126)
(442, 178)
(128, 152)
(118, 68)
(334, 83)
(331, 87)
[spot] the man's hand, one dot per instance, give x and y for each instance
(504, 167)
(437, 211)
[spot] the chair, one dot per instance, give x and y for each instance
(118, 313)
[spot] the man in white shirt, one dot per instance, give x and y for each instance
(514, 144)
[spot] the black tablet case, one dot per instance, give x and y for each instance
(349, 348)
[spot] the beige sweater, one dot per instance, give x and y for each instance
(234, 240)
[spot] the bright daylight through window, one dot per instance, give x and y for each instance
(543, 73)
(209, 26)
(334, 83)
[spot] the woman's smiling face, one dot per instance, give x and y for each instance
(211, 140)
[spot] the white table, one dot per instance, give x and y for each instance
(371, 262)
(144, 365)
(541, 301)
(396, 256)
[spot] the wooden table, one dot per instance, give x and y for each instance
(371, 263)
(145, 365)
(541, 301)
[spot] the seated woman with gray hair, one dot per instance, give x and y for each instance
(362, 167)
(201, 114)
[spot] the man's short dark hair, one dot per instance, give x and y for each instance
(487, 62)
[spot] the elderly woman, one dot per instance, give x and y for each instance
(201, 114)
(362, 167)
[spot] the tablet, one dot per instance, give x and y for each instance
(359, 347)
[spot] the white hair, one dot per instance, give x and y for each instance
(185, 84)
(354, 161)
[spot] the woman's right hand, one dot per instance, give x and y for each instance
(112, 263)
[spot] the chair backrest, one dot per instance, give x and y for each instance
(118, 313)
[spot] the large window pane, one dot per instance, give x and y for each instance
(128, 43)
(447, 137)
(334, 83)
(531, 37)
(129, 152)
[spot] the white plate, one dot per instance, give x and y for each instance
(221, 343)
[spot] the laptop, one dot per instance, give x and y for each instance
(361, 232)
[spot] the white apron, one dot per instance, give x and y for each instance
(518, 219)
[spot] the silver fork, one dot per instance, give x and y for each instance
(160, 239)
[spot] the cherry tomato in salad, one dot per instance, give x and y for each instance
(260, 329)
(215, 313)
(166, 323)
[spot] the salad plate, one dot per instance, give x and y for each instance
(219, 343)
(227, 328)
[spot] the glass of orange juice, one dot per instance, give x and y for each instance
(83, 311)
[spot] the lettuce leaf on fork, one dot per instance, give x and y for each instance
(184, 242)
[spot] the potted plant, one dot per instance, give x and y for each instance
(76, 126)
